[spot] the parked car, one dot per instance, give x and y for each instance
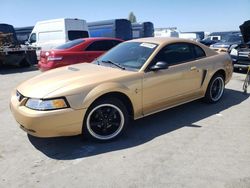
(215, 37)
(48, 34)
(134, 79)
(210, 40)
(227, 44)
(240, 54)
(76, 51)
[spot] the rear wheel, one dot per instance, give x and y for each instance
(105, 120)
(215, 89)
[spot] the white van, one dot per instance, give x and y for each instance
(51, 33)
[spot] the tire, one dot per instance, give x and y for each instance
(105, 120)
(215, 89)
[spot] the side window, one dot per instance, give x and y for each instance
(100, 46)
(199, 52)
(175, 53)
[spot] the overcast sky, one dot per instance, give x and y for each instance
(186, 15)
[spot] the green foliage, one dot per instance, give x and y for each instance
(132, 17)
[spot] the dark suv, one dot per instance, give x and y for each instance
(240, 54)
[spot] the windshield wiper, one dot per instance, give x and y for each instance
(110, 62)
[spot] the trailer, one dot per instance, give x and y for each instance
(117, 28)
(201, 34)
(11, 52)
(142, 30)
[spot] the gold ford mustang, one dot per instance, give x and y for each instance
(132, 80)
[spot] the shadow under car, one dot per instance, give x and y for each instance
(139, 131)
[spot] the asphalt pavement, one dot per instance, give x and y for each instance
(196, 145)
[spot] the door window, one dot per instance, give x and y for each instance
(175, 53)
(199, 52)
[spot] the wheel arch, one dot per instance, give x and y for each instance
(221, 72)
(120, 96)
(111, 90)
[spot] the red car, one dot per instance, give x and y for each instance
(76, 51)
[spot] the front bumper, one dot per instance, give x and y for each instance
(240, 62)
(64, 122)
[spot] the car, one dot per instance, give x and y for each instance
(227, 44)
(134, 79)
(208, 41)
(240, 54)
(216, 37)
(76, 51)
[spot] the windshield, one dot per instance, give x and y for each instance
(130, 55)
(232, 38)
(70, 44)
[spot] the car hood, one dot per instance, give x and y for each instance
(222, 44)
(78, 75)
(245, 31)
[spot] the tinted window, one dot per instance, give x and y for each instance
(234, 38)
(175, 53)
(104, 45)
(199, 52)
(77, 34)
(70, 44)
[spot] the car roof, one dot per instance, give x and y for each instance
(100, 38)
(162, 40)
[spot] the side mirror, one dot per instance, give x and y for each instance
(159, 65)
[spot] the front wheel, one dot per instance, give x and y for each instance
(105, 120)
(215, 89)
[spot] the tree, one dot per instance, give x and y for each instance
(132, 17)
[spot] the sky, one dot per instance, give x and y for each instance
(186, 15)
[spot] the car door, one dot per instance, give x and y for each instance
(179, 83)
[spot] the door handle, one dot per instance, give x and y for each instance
(193, 68)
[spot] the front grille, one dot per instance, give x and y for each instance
(243, 62)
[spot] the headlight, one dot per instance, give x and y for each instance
(47, 104)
